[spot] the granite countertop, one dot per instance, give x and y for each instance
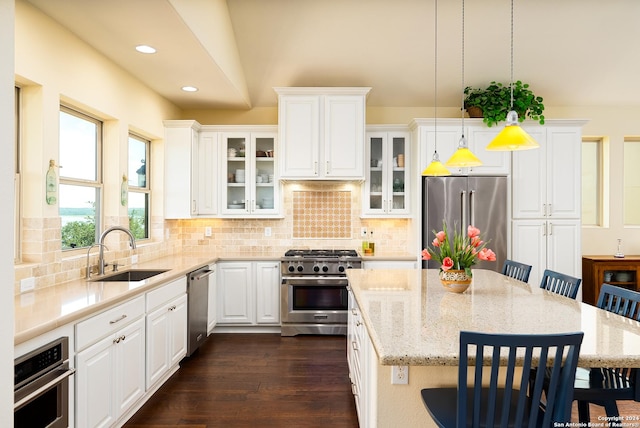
(412, 320)
(42, 310)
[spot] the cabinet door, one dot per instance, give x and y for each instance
(398, 161)
(343, 137)
(235, 293)
(207, 170)
(178, 330)
(529, 179)
(376, 174)
(180, 177)
(129, 370)
(236, 193)
(267, 292)
(266, 184)
(564, 162)
(493, 162)
(157, 344)
(211, 316)
(563, 247)
(529, 246)
(299, 134)
(95, 382)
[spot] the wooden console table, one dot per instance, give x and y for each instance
(621, 272)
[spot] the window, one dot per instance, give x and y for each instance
(139, 191)
(16, 201)
(592, 177)
(80, 178)
(631, 182)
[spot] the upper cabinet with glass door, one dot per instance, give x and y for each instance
(251, 186)
(388, 179)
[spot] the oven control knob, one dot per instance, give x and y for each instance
(340, 268)
(300, 268)
(291, 268)
(316, 268)
(325, 268)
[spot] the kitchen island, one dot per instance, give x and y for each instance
(412, 321)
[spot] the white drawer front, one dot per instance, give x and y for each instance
(107, 322)
(165, 293)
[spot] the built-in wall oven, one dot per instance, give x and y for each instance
(41, 386)
(314, 296)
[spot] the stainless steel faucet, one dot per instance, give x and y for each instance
(132, 240)
(88, 265)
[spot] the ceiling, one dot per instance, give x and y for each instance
(571, 52)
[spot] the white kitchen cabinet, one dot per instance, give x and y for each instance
(267, 283)
(387, 184)
(190, 168)
(449, 132)
(250, 173)
(166, 329)
(546, 182)
(248, 293)
(547, 244)
(212, 308)
(362, 363)
(321, 133)
(110, 376)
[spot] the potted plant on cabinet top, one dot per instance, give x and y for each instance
(495, 102)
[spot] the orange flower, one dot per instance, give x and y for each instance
(426, 255)
(487, 254)
(473, 231)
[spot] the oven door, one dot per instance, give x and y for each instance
(44, 402)
(314, 300)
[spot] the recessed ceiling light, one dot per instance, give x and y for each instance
(189, 88)
(145, 49)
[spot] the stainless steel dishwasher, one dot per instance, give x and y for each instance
(197, 308)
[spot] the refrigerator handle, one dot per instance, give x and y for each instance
(472, 208)
(463, 214)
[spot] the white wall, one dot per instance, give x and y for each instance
(7, 10)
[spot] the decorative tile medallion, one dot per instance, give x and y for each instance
(321, 214)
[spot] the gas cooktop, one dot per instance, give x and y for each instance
(322, 253)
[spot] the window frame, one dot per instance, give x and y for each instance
(96, 184)
(146, 189)
(17, 250)
(601, 163)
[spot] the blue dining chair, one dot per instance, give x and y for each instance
(517, 270)
(604, 386)
(485, 404)
(560, 283)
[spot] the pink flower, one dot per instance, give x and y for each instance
(473, 231)
(447, 263)
(426, 255)
(487, 254)
(435, 242)
(441, 236)
(476, 241)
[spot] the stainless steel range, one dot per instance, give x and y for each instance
(314, 291)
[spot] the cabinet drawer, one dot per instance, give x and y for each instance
(101, 325)
(165, 293)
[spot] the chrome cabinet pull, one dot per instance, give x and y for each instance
(123, 316)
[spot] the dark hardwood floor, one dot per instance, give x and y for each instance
(248, 380)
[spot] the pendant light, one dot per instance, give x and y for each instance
(512, 137)
(463, 157)
(436, 168)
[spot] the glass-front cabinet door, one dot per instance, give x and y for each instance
(386, 192)
(251, 186)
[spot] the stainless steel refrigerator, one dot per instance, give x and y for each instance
(480, 201)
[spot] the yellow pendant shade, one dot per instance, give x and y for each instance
(435, 168)
(512, 138)
(463, 158)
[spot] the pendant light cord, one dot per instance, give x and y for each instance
(462, 73)
(435, 79)
(511, 55)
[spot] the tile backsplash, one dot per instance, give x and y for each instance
(321, 214)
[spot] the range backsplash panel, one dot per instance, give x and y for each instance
(319, 214)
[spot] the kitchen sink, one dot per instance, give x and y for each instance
(131, 275)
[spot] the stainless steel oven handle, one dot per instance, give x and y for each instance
(43, 388)
(201, 275)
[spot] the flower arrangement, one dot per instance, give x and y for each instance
(464, 252)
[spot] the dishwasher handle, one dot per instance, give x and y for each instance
(197, 276)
